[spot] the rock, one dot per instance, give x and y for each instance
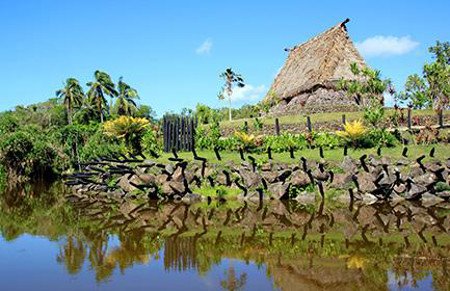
(321, 176)
(349, 165)
(250, 179)
(400, 188)
(402, 162)
(270, 177)
(190, 198)
(161, 179)
(177, 175)
(306, 198)
(365, 181)
(266, 167)
(415, 192)
(172, 187)
(429, 200)
(170, 168)
(415, 171)
(425, 179)
(444, 195)
(147, 179)
(124, 183)
(279, 190)
(284, 174)
(341, 180)
(368, 198)
(299, 179)
(395, 198)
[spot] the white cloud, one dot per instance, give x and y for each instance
(386, 45)
(248, 93)
(205, 47)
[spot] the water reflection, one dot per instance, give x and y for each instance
(292, 246)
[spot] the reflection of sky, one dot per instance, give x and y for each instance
(29, 263)
(424, 284)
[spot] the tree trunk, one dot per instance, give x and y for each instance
(229, 108)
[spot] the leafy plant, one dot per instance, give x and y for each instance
(130, 129)
(257, 124)
(246, 141)
(353, 132)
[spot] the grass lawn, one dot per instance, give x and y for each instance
(333, 155)
(319, 117)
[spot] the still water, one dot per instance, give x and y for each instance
(49, 243)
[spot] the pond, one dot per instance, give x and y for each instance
(49, 243)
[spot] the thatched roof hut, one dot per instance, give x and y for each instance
(307, 82)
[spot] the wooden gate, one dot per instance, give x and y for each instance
(179, 133)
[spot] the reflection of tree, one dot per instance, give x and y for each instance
(233, 283)
(72, 254)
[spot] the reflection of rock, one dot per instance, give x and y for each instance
(429, 200)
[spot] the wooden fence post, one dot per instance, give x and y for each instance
(409, 117)
(277, 126)
(441, 118)
(308, 123)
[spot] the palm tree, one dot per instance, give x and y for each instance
(72, 95)
(231, 79)
(125, 104)
(103, 85)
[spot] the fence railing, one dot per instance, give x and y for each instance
(179, 133)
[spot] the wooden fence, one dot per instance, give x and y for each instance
(409, 122)
(179, 133)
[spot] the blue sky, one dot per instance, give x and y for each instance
(173, 51)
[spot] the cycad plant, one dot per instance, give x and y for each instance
(130, 129)
(353, 132)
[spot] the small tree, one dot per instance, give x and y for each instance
(432, 89)
(368, 89)
(231, 79)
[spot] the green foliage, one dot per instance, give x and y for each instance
(432, 89)
(327, 140)
(99, 145)
(374, 114)
(285, 141)
(378, 137)
(205, 114)
(368, 89)
(208, 138)
(29, 153)
(151, 141)
(257, 124)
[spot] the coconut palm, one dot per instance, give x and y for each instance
(72, 95)
(125, 104)
(231, 79)
(101, 87)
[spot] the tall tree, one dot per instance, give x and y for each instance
(432, 89)
(102, 86)
(125, 104)
(72, 95)
(231, 79)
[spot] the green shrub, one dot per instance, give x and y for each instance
(378, 137)
(285, 141)
(151, 141)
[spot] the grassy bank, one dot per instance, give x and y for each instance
(442, 152)
(322, 117)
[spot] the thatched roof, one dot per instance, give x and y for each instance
(319, 62)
